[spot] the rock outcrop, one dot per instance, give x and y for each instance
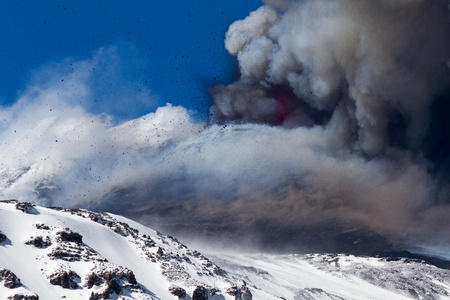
(177, 291)
(10, 280)
(67, 280)
(39, 242)
(2, 237)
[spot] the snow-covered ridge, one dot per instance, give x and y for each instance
(338, 276)
(55, 253)
(60, 253)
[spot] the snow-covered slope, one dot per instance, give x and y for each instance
(76, 254)
(337, 276)
(57, 253)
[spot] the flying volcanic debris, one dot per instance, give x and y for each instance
(334, 138)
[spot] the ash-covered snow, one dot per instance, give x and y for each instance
(60, 253)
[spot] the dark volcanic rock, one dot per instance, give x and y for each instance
(26, 207)
(200, 293)
(65, 279)
(64, 254)
(177, 291)
(124, 274)
(2, 237)
(11, 281)
(42, 226)
(70, 251)
(94, 296)
(116, 281)
(67, 235)
(93, 279)
(113, 287)
(233, 291)
(242, 293)
(23, 297)
(245, 293)
(39, 242)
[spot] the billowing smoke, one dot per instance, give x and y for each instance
(369, 64)
(370, 79)
(335, 135)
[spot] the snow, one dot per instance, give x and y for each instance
(288, 276)
(115, 248)
(127, 244)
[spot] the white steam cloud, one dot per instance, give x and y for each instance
(54, 150)
(353, 85)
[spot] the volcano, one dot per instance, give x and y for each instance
(55, 253)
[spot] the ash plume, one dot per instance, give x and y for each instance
(371, 80)
(369, 64)
(335, 135)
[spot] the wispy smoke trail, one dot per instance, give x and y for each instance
(338, 122)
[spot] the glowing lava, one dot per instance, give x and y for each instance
(294, 112)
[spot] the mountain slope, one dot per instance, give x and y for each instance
(59, 253)
(76, 254)
(339, 276)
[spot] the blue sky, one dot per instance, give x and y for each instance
(173, 49)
